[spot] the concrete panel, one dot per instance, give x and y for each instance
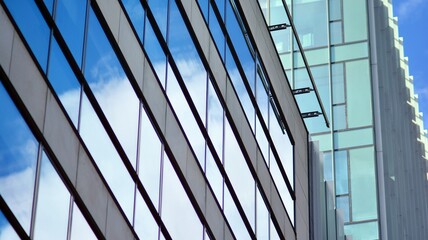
(196, 181)
(217, 68)
(135, 59)
(176, 141)
(59, 135)
(111, 11)
(155, 98)
(116, 229)
(28, 82)
(6, 41)
(92, 190)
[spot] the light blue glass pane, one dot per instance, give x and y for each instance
(358, 93)
(234, 218)
(363, 184)
(312, 30)
(178, 214)
(18, 156)
(136, 14)
(335, 9)
(277, 13)
(341, 169)
(338, 83)
(214, 176)
(349, 51)
(215, 120)
(363, 231)
(6, 230)
(339, 117)
(328, 166)
(203, 4)
(33, 27)
(70, 19)
(353, 138)
(80, 228)
(53, 203)
(282, 40)
(355, 20)
(64, 82)
(336, 36)
(342, 203)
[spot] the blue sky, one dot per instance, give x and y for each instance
(412, 20)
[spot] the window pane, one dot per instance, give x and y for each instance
(80, 228)
(328, 166)
(342, 203)
(150, 155)
(70, 19)
(312, 30)
(336, 33)
(145, 225)
(64, 82)
(33, 27)
(353, 138)
(358, 93)
(239, 174)
(107, 158)
(112, 88)
(6, 230)
(159, 9)
(335, 9)
(178, 213)
(355, 20)
(349, 52)
(262, 223)
(339, 117)
(341, 169)
(338, 85)
(53, 204)
(18, 156)
(363, 184)
(363, 231)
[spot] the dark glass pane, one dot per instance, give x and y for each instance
(18, 157)
(32, 26)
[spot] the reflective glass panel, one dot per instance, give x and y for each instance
(145, 225)
(341, 169)
(150, 158)
(177, 212)
(342, 203)
(18, 157)
(355, 20)
(53, 203)
(262, 223)
(136, 14)
(112, 88)
(312, 31)
(336, 33)
(70, 19)
(80, 228)
(64, 82)
(106, 157)
(32, 25)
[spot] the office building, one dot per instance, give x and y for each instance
(148, 120)
(375, 150)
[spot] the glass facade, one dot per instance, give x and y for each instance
(87, 74)
(335, 40)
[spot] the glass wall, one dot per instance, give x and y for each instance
(334, 36)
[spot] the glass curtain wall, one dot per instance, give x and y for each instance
(334, 36)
